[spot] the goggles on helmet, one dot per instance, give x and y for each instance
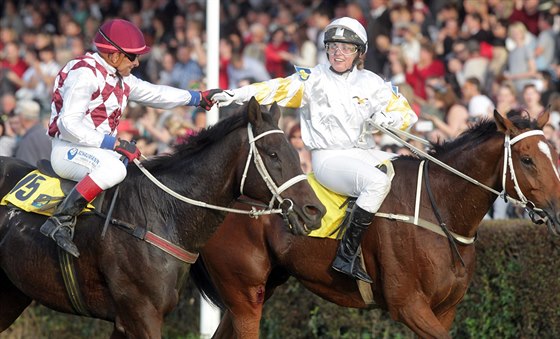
(344, 48)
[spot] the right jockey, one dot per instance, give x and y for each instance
(336, 101)
(90, 94)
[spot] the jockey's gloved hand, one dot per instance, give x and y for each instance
(128, 149)
(207, 98)
(382, 119)
(225, 98)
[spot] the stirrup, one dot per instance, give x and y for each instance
(54, 224)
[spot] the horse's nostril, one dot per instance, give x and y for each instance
(312, 212)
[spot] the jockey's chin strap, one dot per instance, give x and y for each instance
(259, 164)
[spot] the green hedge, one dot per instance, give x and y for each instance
(514, 294)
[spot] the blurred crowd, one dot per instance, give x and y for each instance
(454, 60)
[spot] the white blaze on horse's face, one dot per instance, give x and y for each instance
(543, 146)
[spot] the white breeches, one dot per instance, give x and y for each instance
(352, 172)
(74, 162)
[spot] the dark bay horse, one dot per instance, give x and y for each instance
(129, 281)
(417, 277)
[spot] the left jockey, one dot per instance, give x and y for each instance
(90, 94)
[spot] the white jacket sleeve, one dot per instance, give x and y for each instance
(158, 96)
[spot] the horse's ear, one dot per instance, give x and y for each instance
(543, 118)
(504, 124)
(254, 111)
(275, 111)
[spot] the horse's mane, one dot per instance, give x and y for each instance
(479, 133)
(199, 142)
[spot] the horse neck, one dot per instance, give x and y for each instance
(463, 203)
(210, 178)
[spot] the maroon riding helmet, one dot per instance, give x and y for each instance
(119, 35)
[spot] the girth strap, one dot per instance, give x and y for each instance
(68, 271)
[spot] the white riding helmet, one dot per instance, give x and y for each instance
(347, 30)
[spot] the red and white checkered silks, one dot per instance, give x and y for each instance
(89, 97)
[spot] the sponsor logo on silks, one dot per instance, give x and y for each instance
(89, 157)
(303, 72)
(360, 101)
(72, 153)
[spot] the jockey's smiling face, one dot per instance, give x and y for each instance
(341, 55)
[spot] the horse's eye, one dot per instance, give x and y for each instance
(273, 155)
(526, 161)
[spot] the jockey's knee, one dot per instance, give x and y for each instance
(374, 193)
(109, 174)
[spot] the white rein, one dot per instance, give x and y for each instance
(508, 162)
(259, 164)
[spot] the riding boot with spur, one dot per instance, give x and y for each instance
(60, 226)
(347, 259)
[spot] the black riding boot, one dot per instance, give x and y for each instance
(347, 259)
(60, 226)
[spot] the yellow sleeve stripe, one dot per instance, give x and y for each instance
(285, 91)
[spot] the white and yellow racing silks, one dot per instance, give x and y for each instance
(333, 107)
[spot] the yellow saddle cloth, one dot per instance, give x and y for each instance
(335, 205)
(37, 193)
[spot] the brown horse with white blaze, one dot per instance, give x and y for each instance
(418, 277)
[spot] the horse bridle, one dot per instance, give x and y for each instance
(284, 209)
(536, 214)
(259, 164)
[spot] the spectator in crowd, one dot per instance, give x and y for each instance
(34, 144)
(294, 135)
(186, 71)
(411, 42)
(12, 126)
(242, 67)
(38, 79)
(12, 68)
(479, 105)
(226, 52)
(320, 18)
(547, 87)
(521, 67)
(165, 73)
(526, 12)
(303, 52)
(474, 66)
(446, 36)
(546, 43)
(506, 100)
(256, 46)
(427, 66)
(449, 118)
(276, 54)
(335, 126)
(85, 117)
(379, 23)
(532, 101)
(8, 137)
